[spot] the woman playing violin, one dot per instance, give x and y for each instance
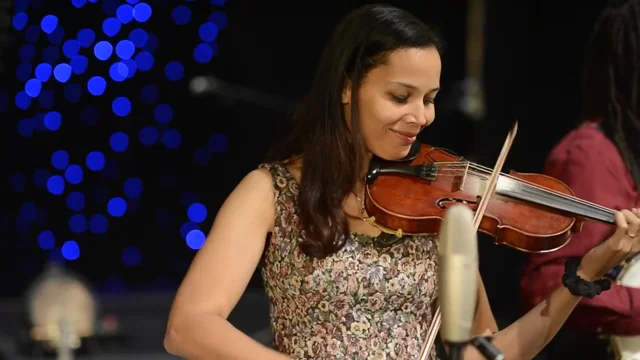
(333, 293)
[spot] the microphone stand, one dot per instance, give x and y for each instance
(481, 343)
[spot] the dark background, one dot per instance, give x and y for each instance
(532, 56)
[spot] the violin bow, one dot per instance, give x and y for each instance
(484, 202)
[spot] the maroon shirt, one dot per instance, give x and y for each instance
(590, 164)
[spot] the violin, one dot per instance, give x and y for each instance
(529, 212)
(526, 211)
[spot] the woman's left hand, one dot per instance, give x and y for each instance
(624, 243)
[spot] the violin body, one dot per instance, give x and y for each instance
(413, 194)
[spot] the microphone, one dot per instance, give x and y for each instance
(458, 269)
(210, 85)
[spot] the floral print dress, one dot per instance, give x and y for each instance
(361, 303)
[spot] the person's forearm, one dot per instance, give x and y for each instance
(212, 337)
(526, 337)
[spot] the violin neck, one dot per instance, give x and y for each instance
(520, 190)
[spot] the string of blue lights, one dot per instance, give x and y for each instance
(122, 42)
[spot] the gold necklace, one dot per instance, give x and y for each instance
(387, 237)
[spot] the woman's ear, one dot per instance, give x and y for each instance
(346, 92)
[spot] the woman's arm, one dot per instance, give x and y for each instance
(218, 276)
(526, 337)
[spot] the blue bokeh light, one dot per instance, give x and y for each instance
(195, 239)
(203, 53)
(111, 26)
(97, 85)
(52, 121)
(131, 256)
(79, 64)
(139, 37)
(28, 211)
(187, 227)
(144, 60)
(70, 250)
(32, 87)
(132, 187)
(119, 142)
(19, 21)
(78, 3)
(56, 36)
(197, 212)
(124, 13)
(121, 106)
(74, 174)
(110, 6)
(55, 185)
(125, 49)
(43, 72)
(95, 161)
(98, 224)
(220, 19)
(171, 138)
(27, 52)
(75, 201)
(23, 100)
(152, 43)
(71, 48)
(142, 12)
(163, 113)
(118, 71)
(181, 15)
(86, 37)
(78, 223)
(49, 23)
(60, 159)
(46, 240)
(208, 32)
(40, 178)
(62, 72)
(174, 70)
(148, 135)
(103, 50)
(117, 207)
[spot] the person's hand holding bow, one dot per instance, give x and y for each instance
(624, 243)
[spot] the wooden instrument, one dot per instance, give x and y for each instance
(529, 212)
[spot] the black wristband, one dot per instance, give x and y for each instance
(579, 286)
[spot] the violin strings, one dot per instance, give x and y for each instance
(482, 172)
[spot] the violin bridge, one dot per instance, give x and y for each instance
(459, 180)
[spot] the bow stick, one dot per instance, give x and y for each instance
(484, 202)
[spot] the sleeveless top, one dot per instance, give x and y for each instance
(361, 303)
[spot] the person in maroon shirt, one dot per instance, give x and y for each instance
(598, 161)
